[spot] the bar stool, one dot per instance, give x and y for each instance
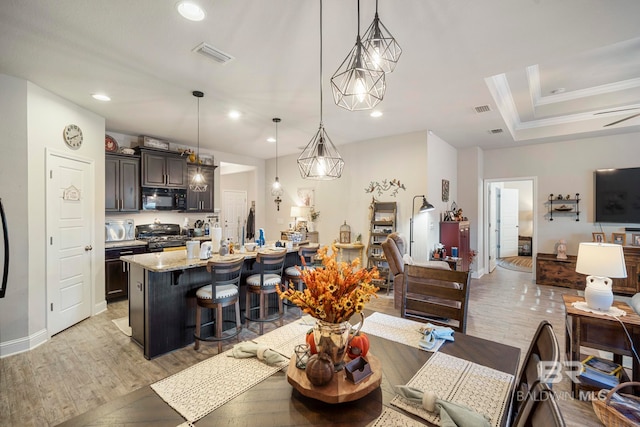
(292, 274)
(264, 283)
(223, 291)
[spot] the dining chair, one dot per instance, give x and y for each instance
(435, 295)
(540, 409)
(293, 273)
(262, 284)
(544, 347)
(223, 291)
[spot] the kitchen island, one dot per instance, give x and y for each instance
(162, 296)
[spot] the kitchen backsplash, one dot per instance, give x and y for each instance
(165, 217)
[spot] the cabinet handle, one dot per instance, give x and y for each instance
(124, 266)
(125, 253)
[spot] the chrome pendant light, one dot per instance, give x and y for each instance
(320, 159)
(276, 187)
(384, 51)
(356, 85)
(198, 183)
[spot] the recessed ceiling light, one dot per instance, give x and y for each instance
(234, 114)
(376, 113)
(100, 97)
(190, 10)
(271, 139)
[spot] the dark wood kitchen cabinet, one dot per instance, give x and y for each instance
(456, 234)
(163, 169)
(116, 274)
(200, 201)
(122, 183)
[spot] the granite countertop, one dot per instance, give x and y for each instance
(160, 262)
(124, 244)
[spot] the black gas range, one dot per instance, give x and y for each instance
(161, 236)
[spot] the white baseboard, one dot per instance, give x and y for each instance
(100, 307)
(21, 345)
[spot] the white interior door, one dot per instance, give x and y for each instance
(493, 230)
(234, 213)
(70, 200)
(508, 222)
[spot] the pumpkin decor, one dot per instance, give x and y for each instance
(358, 345)
(311, 341)
(319, 369)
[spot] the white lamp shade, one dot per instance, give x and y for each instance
(601, 259)
(300, 212)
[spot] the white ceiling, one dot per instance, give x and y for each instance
(457, 55)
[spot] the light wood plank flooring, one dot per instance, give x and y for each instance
(93, 362)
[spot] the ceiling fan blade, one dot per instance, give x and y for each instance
(622, 120)
(616, 111)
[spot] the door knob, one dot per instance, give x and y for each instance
(88, 248)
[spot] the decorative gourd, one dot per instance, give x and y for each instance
(358, 346)
(311, 341)
(319, 369)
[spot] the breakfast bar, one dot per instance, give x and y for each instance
(162, 301)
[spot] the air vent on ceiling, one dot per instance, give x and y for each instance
(495, 131)
(213, 53)
(482, 109)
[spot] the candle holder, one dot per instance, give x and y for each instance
(303, 353)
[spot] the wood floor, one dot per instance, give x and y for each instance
(93, 362)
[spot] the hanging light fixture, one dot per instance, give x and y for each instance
(276, 187)
(320, 159)
(198, 183)
(384, 51)
(356, 85)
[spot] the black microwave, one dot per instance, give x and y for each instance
(164, 199)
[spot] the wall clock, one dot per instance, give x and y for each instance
(73, 136)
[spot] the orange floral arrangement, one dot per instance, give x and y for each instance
(335, 291)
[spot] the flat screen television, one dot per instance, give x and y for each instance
(618, 195)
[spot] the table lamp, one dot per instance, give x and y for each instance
(600, 261)
(299, 213)
(426, 206)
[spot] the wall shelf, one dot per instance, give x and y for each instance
(563, 206)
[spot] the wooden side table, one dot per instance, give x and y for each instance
(350, 247)
(600, 332)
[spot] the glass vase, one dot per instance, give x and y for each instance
(333, 339)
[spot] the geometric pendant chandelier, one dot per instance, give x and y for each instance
(320, 159)
(384, 51)
(358, 84)
(198, 183)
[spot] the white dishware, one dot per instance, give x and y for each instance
(193, 249)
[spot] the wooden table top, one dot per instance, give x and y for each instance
(631, 318)
(274, 402)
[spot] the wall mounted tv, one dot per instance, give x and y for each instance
(618, 195)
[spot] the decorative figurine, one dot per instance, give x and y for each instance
(562, 249)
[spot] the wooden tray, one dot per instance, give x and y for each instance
(339, 389)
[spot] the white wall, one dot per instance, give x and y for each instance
(32, 122)
(14, 151)
(566, 168)
(412, 158)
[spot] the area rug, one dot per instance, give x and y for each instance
(123, 324)
(516, 263)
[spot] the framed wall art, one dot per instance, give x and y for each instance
(445, 190)
(599, 237)
(306, 196)
(635, 239)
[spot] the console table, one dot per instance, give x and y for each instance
(600, 332)
(557, 272)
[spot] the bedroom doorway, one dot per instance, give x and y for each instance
(511, 223)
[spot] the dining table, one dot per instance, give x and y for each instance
(274, 402)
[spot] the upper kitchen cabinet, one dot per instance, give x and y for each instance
(122, 183)
(200, 201)
(163, 169)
